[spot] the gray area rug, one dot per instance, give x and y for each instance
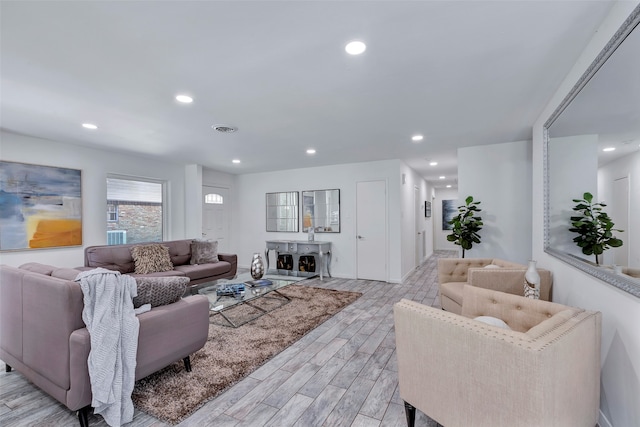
(229, 355)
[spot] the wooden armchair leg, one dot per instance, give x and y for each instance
(187, 364)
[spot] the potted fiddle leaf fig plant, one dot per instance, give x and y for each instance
(594, 227)
(465, 225)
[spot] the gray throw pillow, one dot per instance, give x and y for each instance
(159, 291)
(204, 251)
(151, 258)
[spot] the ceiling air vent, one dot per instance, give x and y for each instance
(224, 128)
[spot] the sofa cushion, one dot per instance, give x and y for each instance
(159, 291)
(65, 273)
(453, 290)
(159, 274)
(199, 271)
(151, 258)
(179, 251)
(36, 267)
(204, 251)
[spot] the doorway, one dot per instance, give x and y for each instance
(371, 230)
(620, 216)
(215, 216)
(419, 231)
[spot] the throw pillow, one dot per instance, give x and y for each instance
(493, 321)
(151, 258)
(159, 291)
(204, 251)
(490, 266)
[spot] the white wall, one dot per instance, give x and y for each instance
(576, 168)
(628, 166)
(439, 235)
(193, 200)
(499, 176)
(620, 310)
(95, 165)
(249, 215)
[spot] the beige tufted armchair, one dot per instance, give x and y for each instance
(488, 273)
(543, 372)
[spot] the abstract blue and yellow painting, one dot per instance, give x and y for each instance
(40, 206)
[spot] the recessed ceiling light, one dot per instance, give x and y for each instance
(355, 47)
(236, 161)
(417, 138)
(442, 177)
(449, 186)
(433, 164)
(609, 149)
(224, 128)
(89, 126)
(311, 151)
(185, 99)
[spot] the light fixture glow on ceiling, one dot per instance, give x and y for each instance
(449, 186)
(236, 161)
(311, 151)
(433, 164)
(185, 99)
(442, 177)
(224, 128)
(89, 126)
(355, 47)
(417, 138)
(609, 149)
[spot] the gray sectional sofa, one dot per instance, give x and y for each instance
(118, 257)
(43, 336)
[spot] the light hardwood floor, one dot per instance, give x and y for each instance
(343, 373)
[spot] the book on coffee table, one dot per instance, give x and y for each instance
(259, 282)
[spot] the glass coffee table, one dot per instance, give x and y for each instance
(258, 297)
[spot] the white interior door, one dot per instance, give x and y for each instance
(371, 230)
(215, 215)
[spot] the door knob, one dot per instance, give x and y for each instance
(359, 237)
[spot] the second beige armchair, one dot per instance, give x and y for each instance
(488, 273)
(542, 372)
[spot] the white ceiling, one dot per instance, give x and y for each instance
(462, 73)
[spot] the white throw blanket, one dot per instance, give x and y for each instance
(109, 315)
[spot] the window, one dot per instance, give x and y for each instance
(213, 198)
(135, 210)
(112, 212)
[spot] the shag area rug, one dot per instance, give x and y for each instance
(229, 355)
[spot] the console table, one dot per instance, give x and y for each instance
(301, 247)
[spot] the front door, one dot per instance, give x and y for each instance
(215, 216)
(371, 230)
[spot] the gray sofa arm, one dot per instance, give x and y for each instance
(231, 259)
(171, 332)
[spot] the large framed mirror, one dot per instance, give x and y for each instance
(282, 211)
(600, 113)
(321, 210)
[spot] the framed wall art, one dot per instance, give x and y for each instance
(40, 206)
(427, 209)
(449, 210)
